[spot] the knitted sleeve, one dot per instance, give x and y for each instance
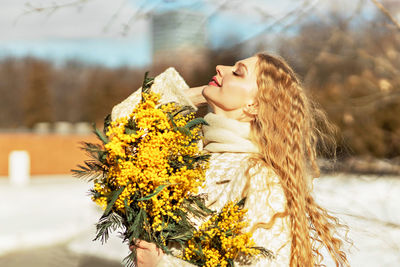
(264, 199)
(169, 84)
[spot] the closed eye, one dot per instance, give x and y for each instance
(236, 73)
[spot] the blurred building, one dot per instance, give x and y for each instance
(179, 38)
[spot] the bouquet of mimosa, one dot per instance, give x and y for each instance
(146, 173)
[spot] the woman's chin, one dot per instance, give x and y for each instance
(210, 87)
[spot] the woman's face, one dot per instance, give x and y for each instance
(233, 89)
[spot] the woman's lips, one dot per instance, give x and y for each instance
(214, 82)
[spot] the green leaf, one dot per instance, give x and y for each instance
(107, 122)
(265, 252)
(203, 157)
(130, 131)
(136, 227)
(131, 124)
(241, 203)
(128, 211)
(171, 118)
(114, 197)
(184, 131)
(156, 192)
(184, 108)
(147, 83)
(195, 122)
(200, 202)
(99, 134)
(184, 236)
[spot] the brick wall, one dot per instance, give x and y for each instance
(49, 153)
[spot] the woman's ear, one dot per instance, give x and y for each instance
(251, 109)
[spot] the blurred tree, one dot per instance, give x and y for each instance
(11, 91)
(354, 72)
(37, 98)
(105, 88)
(67, 90)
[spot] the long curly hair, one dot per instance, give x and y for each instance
(287, 129)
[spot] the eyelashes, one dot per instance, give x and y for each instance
(236, 73)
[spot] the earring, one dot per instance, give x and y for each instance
(252, 109)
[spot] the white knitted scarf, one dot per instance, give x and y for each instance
(227, 135)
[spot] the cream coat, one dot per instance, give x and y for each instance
(228, 142)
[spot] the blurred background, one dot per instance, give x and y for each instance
(65, 64)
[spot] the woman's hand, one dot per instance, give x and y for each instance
(148, 254)
(195, 94)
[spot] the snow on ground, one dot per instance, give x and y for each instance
(369, 205)
(48, 210)
(52, 210)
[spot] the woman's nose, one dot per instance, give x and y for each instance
(219, 68)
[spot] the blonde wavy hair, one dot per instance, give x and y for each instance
(287, 131)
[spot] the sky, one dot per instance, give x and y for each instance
(96, 32)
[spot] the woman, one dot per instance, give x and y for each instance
(263, 138)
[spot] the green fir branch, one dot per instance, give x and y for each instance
(90, 147)
(113, 198)
(99, 134)
(107, 123)
(94, 151)
(106, 224)
(91, 171)
(181, 231)
(156, 192)
(130, 260)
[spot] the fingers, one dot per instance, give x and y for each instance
(141, 244)
(147, 254)
(145, 245)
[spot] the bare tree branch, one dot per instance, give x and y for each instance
(325, 48)
(50, 9)
(386, 13)
(114, 17)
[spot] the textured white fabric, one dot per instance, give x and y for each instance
(227, 135)
(171, 86)
(229, 144)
